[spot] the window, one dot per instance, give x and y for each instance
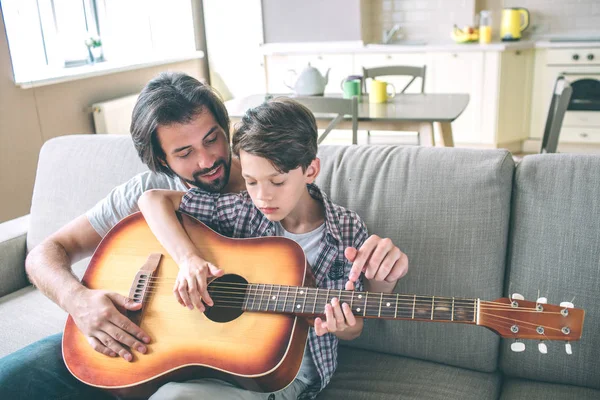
(48, 37)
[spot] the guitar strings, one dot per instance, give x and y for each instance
(224, 302)
(420, 299)
(424, 308)
(314, 296)
(409, 297)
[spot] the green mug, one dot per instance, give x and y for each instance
(351, 88)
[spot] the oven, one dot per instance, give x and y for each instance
(581, 67)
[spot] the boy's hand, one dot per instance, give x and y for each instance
(338, 318)
(379, 259)
(191, 287)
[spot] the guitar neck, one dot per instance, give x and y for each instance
(311, 302)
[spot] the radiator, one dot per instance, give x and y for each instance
(114, 116)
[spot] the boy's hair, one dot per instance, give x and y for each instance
(282, 131)
(171, 98)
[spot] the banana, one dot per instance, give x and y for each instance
(463, 36)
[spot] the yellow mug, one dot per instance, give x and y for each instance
(379, 91)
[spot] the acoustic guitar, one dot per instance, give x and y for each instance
(256, 332)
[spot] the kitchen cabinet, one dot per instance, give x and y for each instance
(461, 73)
(541, 99)
(499, 85)
(279, 70)
(508, 79)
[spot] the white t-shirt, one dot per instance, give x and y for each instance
(309, 242)
(122, 200)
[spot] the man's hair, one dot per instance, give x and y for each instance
(282, 131)
(171, 98)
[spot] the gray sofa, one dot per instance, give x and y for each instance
(473, 224)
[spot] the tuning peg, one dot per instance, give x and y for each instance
(567, 304)
(542, 300)
(517, 346)
(517, 296)
(542, 347)
(568, 348)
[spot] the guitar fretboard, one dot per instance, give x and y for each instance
(312, 301)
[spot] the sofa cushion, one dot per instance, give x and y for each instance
(366, 375)
(13, 242)
(555, 249)
(519, 389)
(448, 210)
(73, 173)
(28, 316)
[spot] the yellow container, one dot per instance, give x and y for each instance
(485, 34)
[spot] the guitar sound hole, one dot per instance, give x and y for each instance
(228, 293)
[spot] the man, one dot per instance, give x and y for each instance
(197, 155)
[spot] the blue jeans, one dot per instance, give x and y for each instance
(38, 372)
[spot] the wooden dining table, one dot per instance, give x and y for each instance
(430, 114)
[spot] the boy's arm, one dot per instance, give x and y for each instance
(339, 320)
(158, 208)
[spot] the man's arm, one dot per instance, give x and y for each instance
(48, 266)
(382, 262)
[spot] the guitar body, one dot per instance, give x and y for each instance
(259, 351)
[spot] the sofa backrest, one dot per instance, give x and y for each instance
(73, 173)
(448, 209)
(554, 247)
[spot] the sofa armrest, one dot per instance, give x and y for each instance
(13, 250)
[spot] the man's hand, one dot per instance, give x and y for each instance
(379, 259)
(191, 287)
(108, 331)
(339, 319)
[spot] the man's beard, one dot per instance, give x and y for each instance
(213, 186)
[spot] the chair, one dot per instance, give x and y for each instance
(328, 105)
(397, 70)
(561, 96)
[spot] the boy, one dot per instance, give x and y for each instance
(277, 146)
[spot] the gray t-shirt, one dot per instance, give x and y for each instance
(122, 200)
(309, 242)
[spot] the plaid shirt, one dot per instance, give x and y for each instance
(235, 215)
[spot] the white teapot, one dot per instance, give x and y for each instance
(310, 82)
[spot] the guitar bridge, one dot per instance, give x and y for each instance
(141, 286)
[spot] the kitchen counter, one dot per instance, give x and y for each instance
(416, 47)
(546, 44)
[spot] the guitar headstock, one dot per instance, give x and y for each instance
(516, 318)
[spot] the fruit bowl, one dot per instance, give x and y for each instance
(468, 34)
